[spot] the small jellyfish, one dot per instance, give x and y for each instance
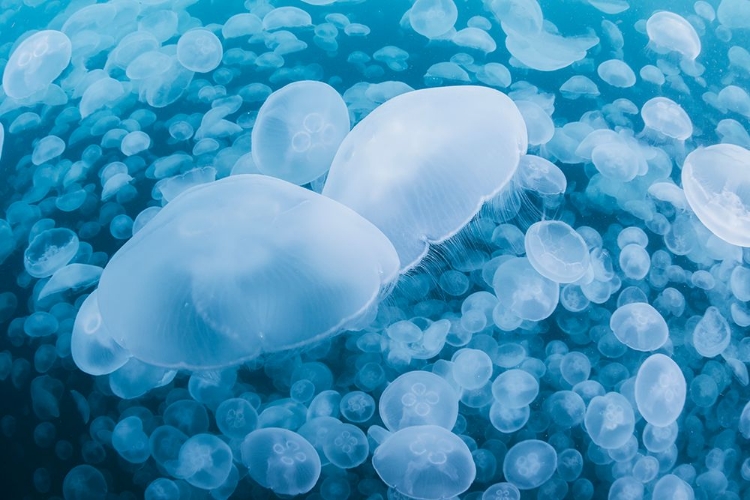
(36, 63)
(515, 388)
(130, 441)
(609, 420)
(236, 418)
(660, 390)
(199, 50)
(669, 32)
(565, 408)
(182, 292)
(49, 251)
(716, 180)
(529, 464)
(502, 491)
(204, 461)
(432, 18)
(425, 462)
(712, 334)
(472, 368)
(281, 460)
(508, 420)
(346, 446)
(298, 130)
(463, 141)
(639, 326)
(670, 487)
(418, 398)
(84, 482)
(556, 251)
(616, 73)
(525, 292)
(357, 406)
(667, 118)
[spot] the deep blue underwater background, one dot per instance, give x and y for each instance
(31, 465)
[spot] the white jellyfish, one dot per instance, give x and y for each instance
(716, 181)
(425, 462)
(418, 398)
(245, 265)
(298, 131)
(199, 50)
(36, 63)
(639, 326)
(421, 165)
(668, 31)
(529, 464)
(556, 251)
(660, 390)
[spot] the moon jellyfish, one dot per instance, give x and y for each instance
(204, 461)
(716, 181)
(199, 50)
(236, 418)
(281, 460)
(616, 73)
(422, 164)
(556, 251)
(524, 291)
(639, 326)
(432, 18)
(84, 482)
(298, 131)
(515, 388)
(418, 398)
(666, 117)
(472, 368)
(669, 32)
(502, 491)
(130, 441)
(609, 420)
(36, 63)
(660, 390)
(49, 251)
(712, 334)
(346, 446)
(425, 462)
(91, 345)
(529, 464)
(241, 266)
(670, 487)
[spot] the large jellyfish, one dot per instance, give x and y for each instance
(425, 462)
(669, 32)
(420, 166)
(241, 266)
(298, 130)
(36, 63)
(716, 181)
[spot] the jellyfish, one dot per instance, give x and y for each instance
(425, 462)
(199, 50)
(92, 347)
(236, 418)
(669, 487)
(639, 326)
(204, 461)
(668, 31)
(660, 390)
(50, 251)
(523, 291)
(245, 265)
(281, 460)
(616, 73)
(515, 388)
(346, 446)
(665, 118)
(529, 464)
(130, 441)
(472, 368)
(298, 130)
(556, 251)
(84, 482)
(716, 181)
(421, 165)
(433, 18)
(418, 398)
(609, 420)
(36, 63)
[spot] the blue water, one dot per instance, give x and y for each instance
(534, 392)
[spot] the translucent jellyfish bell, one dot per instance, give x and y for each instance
(524, 291)
(556, 251)
(669, 32)
(36, 63)
(529, 464)
(241, 266)
(204, 461)
(716, 181)
(421, 165)
(666, 117)
(199, 50)
(639, 326)
(425, 462)
(91, 345)
(660, 390)
(610, 420)
(418, 398)
(298, 130)
(281, 460)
